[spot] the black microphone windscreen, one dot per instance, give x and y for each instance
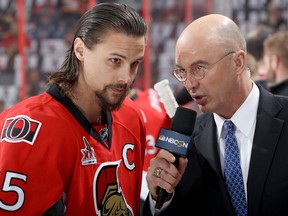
(183, 97)
(184, 120)
(176, 141)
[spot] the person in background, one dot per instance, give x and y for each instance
(78, 148)
(155, 118)
(211, 63)
(253, 68)
(276, 60)
(2, 105)
(275, 17)
(255, 40)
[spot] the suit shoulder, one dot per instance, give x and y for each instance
(203, 117)
(283, 101)
(201, 121)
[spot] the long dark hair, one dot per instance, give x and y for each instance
(91, 28)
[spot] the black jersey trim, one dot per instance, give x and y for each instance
(55, 91)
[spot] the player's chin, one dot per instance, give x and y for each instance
(116, 102)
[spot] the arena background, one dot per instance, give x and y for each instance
(35, 34)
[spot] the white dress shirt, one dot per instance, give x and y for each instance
(244, 121)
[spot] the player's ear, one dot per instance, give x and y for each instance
(79, 48)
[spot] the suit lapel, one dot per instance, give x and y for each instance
(206, 143)
(267, 132)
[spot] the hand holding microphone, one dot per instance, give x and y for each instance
(176, 141)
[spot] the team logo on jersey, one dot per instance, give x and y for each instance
(104, 133)
(20, 128)
(108, 195)
(88, 153)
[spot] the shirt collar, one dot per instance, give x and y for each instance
(244, 117)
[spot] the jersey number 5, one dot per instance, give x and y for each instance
(9, 187)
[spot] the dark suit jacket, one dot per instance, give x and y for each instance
(202, 190)
(280, 88)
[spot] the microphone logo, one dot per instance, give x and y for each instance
(178, 143)
(173, 141)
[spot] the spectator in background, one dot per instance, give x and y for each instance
(252, 65)
(33, 82)
(276, 59)
(254, 40)
(36, 82)
(78, 148)
(254, 74)
(9, 41)
(275, 17)
(2, 105)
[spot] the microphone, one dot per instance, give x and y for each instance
(183, 97)
(166, 97)
(176, 141)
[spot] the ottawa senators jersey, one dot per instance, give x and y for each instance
(155, 118)
(50, 152)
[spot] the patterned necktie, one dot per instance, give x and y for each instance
(233, 172)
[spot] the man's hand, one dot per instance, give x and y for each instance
(163, 173)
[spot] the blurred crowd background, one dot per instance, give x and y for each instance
(49, 26)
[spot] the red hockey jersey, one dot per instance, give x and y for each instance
(155, 118)
(48, 148)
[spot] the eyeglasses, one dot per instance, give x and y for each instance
(196, 71)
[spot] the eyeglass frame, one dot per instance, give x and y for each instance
(195, 67)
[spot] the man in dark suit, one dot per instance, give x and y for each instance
(211, 61)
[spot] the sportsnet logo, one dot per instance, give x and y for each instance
(20, 128)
